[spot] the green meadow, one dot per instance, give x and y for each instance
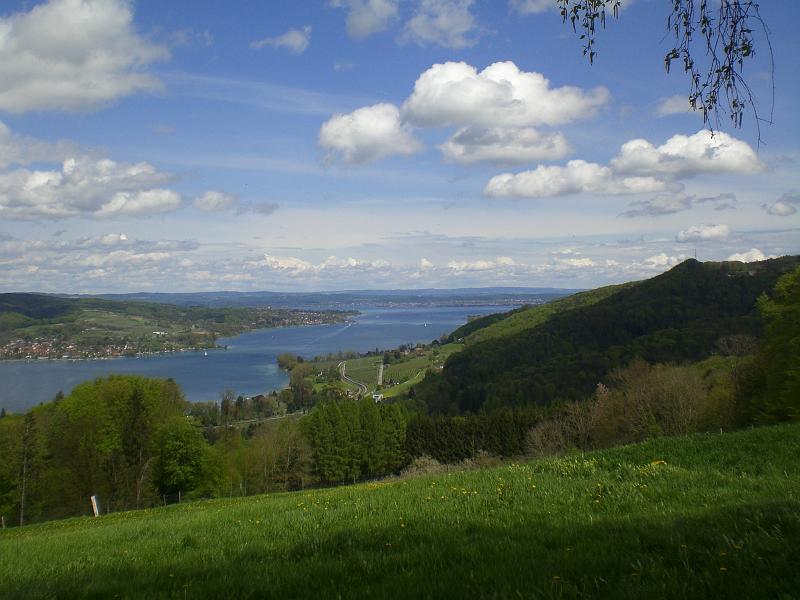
(709, 515)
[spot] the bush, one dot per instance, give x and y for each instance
(643, 401)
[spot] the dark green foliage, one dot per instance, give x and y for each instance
(771, 388)
(11, 433)
(351, 440)
(480, 323)
(36, 306)
(527, 317)
(677, 316)
(123, 438)
(179, 451)
(453, 439)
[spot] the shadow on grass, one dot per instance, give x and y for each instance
(749, 552)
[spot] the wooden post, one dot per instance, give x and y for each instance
(95, 506)
(179, 496)
(3, 522)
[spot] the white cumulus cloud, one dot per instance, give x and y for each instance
(639, 167)
(85, 186)
(73, 55)
(482, 264)
(780, 209)
(289, 263)
(532, 7)
(784, 206)
(704, 233)
(663, 260)
(673, 105)
(296, 266)
(213, 201)
(137, 204)
(455, 93)
(367, 134)
(577, 177)
(502, 145)
(688, 155)
(295, 41)
(368, 17)
(447, 23)
(752, 255)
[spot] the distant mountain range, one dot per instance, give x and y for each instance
(348, 298)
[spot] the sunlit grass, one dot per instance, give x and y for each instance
(703, 516)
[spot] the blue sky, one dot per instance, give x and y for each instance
(349, 144)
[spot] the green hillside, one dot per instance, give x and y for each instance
(695, 517)
(527, 317)
(678, 316)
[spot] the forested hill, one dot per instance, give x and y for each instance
(678, 316)
(526, 317)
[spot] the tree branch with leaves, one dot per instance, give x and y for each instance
(713, 40)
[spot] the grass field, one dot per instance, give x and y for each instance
(707, 516)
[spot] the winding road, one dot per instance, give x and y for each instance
(362, 387)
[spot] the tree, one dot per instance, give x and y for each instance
(301, 388)
(771, 392)
(180, 454)
(712, 41)
(11, 440)
(227, 406)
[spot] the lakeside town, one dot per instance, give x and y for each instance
(41, 348)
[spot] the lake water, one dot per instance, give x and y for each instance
(248, 366)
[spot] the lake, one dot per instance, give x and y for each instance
(248, 366)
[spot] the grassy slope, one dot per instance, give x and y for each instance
(720, 517)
